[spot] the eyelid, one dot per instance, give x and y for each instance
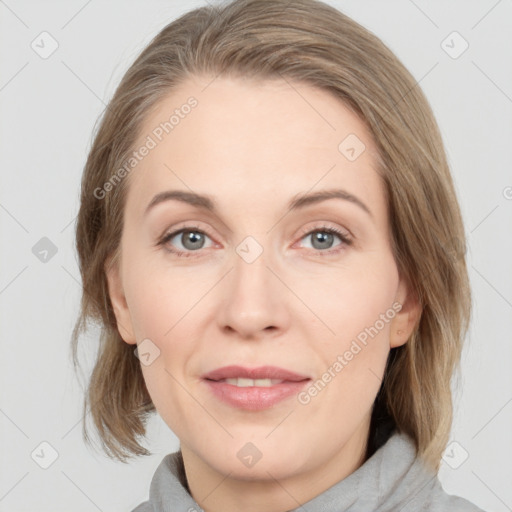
(345, 236)
(325, 225)
(179, 228)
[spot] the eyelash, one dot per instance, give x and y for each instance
(346, 240)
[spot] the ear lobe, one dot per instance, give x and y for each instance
(406, 320)
(118, 300)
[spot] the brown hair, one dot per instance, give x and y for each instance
(310, 42)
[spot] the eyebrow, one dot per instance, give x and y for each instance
(299, 201)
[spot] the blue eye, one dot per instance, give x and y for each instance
(322, 237)
(192, 240)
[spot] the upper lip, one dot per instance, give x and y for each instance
(261, 372)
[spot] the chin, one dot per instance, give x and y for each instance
(256, 460)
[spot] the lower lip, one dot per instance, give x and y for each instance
(254, 398)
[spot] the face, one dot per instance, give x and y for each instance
(252, 279)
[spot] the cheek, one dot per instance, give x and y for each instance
(351, 362)
(158, 296)
(348, 300)
(161, 312)
(350, 330)
(163, 304)
(152, 312)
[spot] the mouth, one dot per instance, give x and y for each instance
(261, 373)
(241, 382)
(254, 389)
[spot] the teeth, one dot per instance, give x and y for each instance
(245, 383)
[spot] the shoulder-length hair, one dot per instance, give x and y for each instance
(310, 42)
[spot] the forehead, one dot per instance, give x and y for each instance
(244, 140)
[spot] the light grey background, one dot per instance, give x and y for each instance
(48, 111)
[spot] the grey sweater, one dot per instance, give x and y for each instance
(392, 479)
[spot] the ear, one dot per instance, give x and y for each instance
(406, 320)
(118, 300)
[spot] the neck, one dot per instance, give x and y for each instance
(218, 492)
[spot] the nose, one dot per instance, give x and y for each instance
(255, 300)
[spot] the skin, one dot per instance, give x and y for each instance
(253, 146)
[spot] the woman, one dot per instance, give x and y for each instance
(296, 375)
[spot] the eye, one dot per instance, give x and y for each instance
(322, 238)
(191, 238)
